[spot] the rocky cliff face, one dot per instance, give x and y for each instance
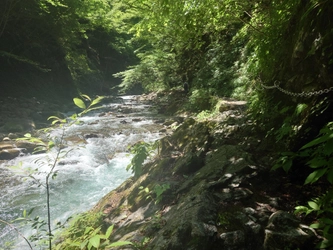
(208, 187)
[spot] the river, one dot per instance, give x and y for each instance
(95, 164)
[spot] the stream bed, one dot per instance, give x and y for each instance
(94, 165)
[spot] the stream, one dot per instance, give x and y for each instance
(94, 165)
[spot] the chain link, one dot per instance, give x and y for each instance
(299, 94)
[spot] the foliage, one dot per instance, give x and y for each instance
(318, 155)
(141, 151)
(183, 40)
(158, 191)
(85, 233)
(322, 207)
(94, 239)
(60, 42)
(38, 225)
(201, 99)
(155, 72)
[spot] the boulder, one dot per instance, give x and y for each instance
(284, 231)
(8, 154)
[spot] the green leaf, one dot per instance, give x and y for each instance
(317, 162)
(313, 205)
(314, 176)
(300, 108)
(53, 117)
(28, 135)
(30, 211)
(327, 221)
(287, 165)
(51, 144)
(95, 240)
(86, 97)
(78, 102)
(109, 231)
(97, 100)
(120, 243)
(328, 148)
(315, 225)
(325, 244)
(88, 229)
(330, 174)
(83, 244)
(317, 141)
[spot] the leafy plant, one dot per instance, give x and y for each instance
(39, 224)
(322, 207)
(156, 193)
(94, 239)
(141, 151)
(318, 154)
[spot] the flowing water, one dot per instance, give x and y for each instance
(95, 164)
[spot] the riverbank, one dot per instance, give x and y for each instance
(93, 159)
(209, 186)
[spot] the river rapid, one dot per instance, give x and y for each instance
(94, 165)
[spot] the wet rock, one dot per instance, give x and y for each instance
(285, 231)
(8, 154)
(88, 136)
(12, 136)
(233, 240)
(31, 147)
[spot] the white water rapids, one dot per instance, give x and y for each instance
(95, 165)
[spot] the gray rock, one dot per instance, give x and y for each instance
(285, 231)
(8, 154)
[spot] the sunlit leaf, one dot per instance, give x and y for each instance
(315, 225)
(28, 135)
(78, 102)
(109, 231)
(314, 176)
(86, 97)
(318, 140)
(87, 230)
(53, 117)
(313, 205)
(300, 108)
(95, 240)
(97, 100)
(301, 209)
(83, 244)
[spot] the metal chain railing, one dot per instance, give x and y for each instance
(299, 94)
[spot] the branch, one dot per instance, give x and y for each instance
(24, 60)
(13, 227)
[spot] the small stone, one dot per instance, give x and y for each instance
(235, 238)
